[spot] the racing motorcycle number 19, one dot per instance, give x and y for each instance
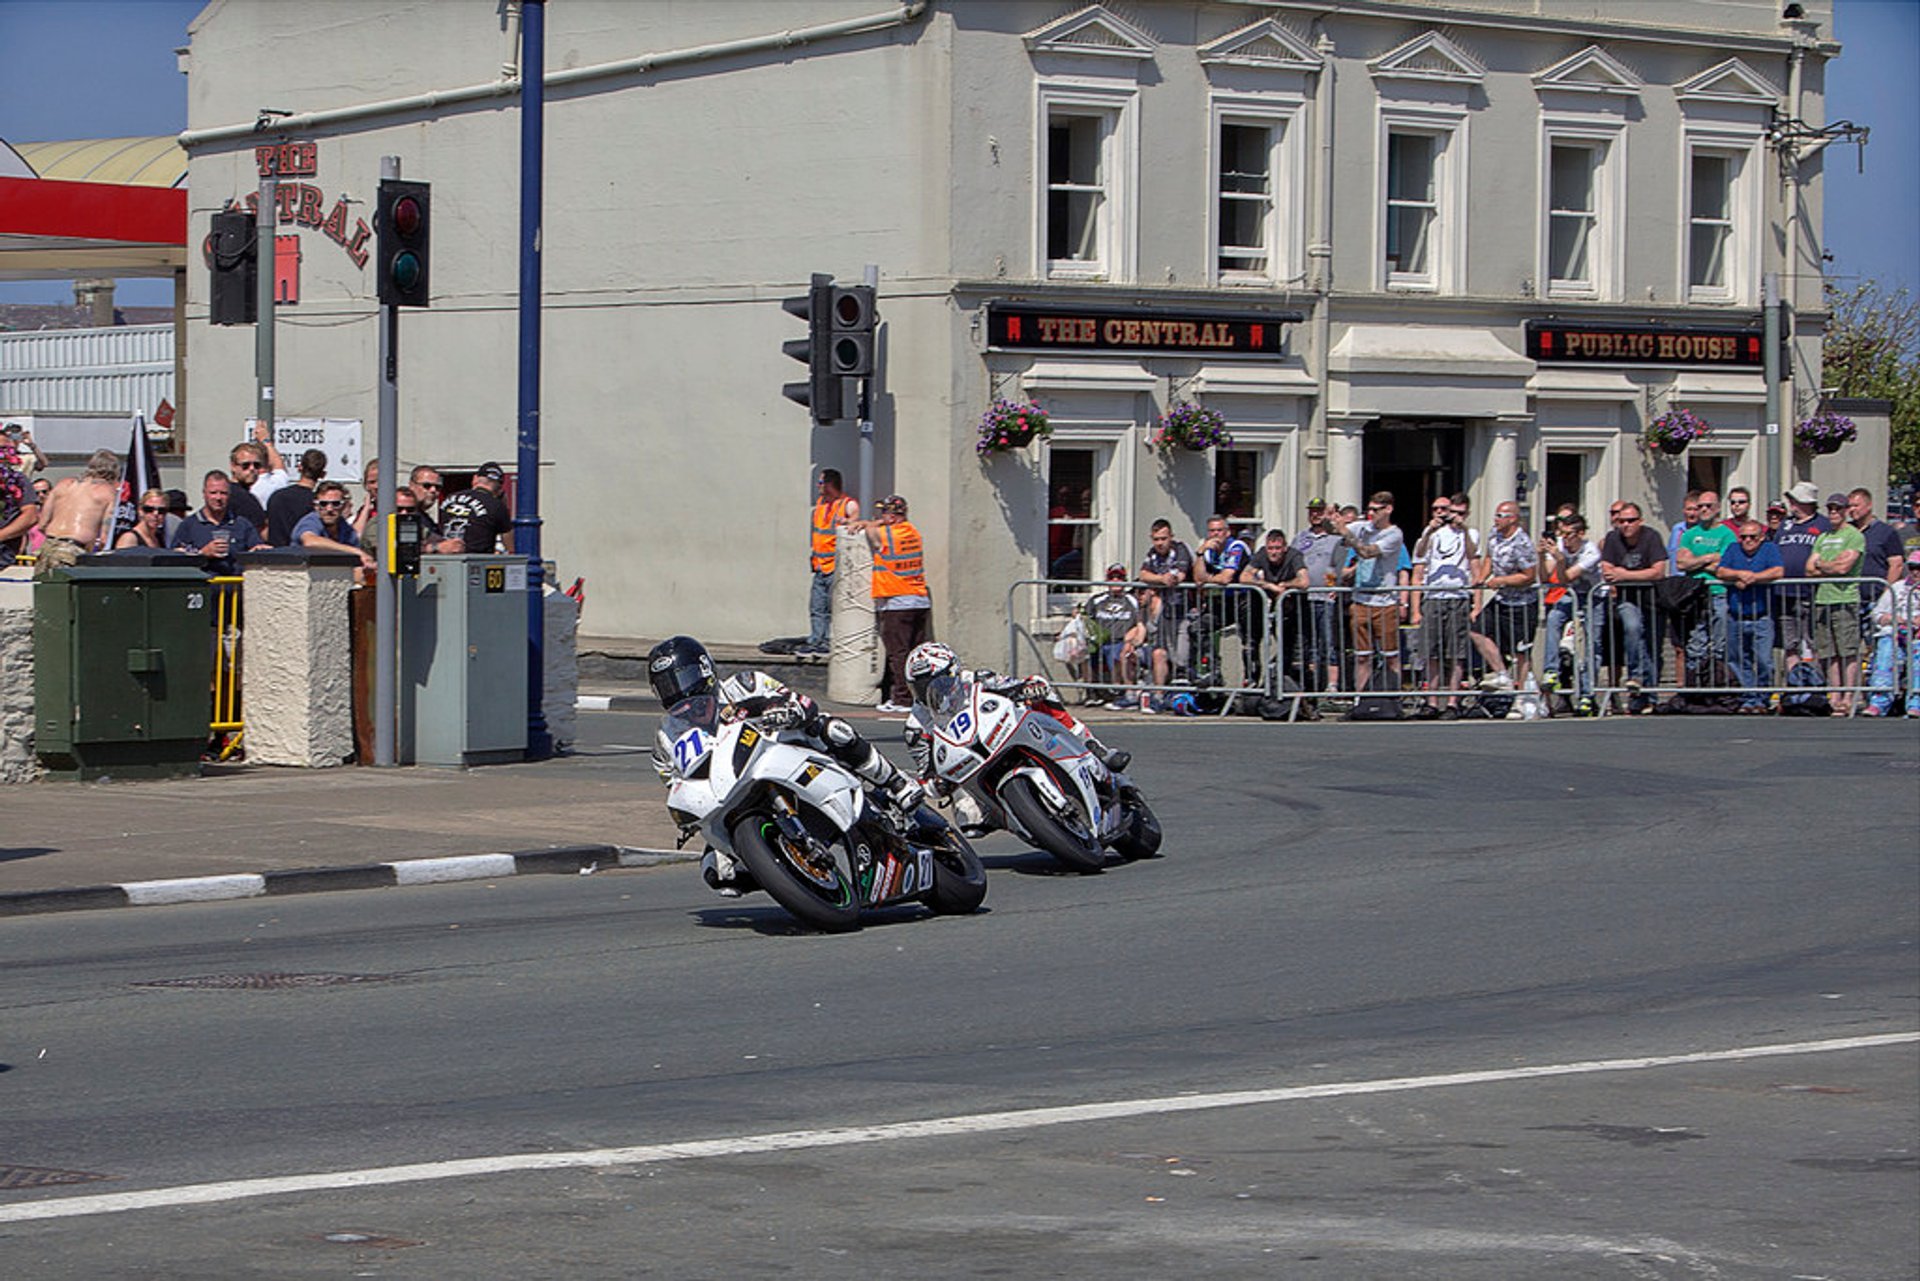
(961, 725)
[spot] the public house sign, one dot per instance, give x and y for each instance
(1570, 343)
(1029, 327)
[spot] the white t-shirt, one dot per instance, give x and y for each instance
(1451, 552)
(1371, 574)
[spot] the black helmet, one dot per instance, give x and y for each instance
(680, 669)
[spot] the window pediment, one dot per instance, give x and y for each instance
(1429, 57)
(1092, 32)
(1266, 44)
(1730, 81)
(1592, 70)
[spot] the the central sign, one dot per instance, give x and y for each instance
(1034, 327)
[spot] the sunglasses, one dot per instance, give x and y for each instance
(250, 465)
(1626, 520)
(161, 510)
(430, 484)
(329, 502)
(1376, 507)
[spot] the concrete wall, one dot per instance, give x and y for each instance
(17, 763)
(297, 672)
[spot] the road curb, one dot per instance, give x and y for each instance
(573, 860)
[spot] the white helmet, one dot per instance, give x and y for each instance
(926, 663)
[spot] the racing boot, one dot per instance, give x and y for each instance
(1115, 760)
(725, 876)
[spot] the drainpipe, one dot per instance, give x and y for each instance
(1320, 258)
(434, 100)
(1780, 396)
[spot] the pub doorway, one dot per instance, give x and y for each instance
(1416, 462)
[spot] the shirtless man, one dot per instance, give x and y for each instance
(76, 511)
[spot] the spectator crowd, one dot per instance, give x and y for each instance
(1809, 606)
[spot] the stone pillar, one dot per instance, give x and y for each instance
(562, 692)
(1502, 467)
(296, 692)
(17, 762)
(853, 670)
(1344, 456)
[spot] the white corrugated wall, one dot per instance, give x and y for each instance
(119, 370)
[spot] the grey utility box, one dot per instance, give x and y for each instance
(463, 661)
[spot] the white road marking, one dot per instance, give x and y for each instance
(933, 1128)
(593, 702)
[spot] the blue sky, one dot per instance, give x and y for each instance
(105, 68)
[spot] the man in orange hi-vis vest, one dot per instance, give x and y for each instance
(832, 510)
(901, 605)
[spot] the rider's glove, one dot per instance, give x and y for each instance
(1035, 689)
(781, 716)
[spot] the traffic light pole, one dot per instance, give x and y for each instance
(870, 277)
(386, 631)
(526, 515)
(263, 269)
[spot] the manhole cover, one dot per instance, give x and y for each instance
(250, 982)
(29, 1176)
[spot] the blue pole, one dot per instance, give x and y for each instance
(526, 518)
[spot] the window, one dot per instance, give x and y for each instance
(1572, 213)
(1720, 249)
(1246, 199)
(1086, 163)
(1072, 526)
(1236, 485)
(1075, 194)
(1412, 204)
(1710, 220)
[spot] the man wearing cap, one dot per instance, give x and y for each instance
(1323, 549)
(1793, 601)
(1836, 605)
(901, 605)
(1117, 629)
(479, 515)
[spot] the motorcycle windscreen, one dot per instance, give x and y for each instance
(945, 696)
(691, 726)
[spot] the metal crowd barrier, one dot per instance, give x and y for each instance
(226, 722)
(1607, 650)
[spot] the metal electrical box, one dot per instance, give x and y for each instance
(123, 670)
(463, 661)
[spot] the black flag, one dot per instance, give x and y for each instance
(138, 473)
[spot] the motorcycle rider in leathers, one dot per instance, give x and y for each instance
(680, 668)
(932, 660)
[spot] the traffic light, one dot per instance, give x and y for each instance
(232, 258)
(821, 392)
(401, 223)
(852, 331)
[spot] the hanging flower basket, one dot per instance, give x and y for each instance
(1674, 430)
(1188, 426)
(1009, 425)
(1825, 432)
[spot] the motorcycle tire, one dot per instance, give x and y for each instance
(1142, 837)
(1081, 853)
(822, 898)
(959, 878)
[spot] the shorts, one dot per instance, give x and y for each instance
(1793, 621)
(1511, 627)
(1836, 630)
(1443, 630)
(56, 553)
(1376, 629)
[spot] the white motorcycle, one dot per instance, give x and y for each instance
(1027, 772)
(803, 824)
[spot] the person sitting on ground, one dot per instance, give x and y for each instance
(78, 512)
(149, 529)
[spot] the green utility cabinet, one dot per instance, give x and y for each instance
(463, 661)
(123, 670)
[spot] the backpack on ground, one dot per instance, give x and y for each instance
(1380, 701)
(1806, 693)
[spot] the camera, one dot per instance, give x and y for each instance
(1552, 526)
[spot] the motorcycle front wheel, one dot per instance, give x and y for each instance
(816, 891)
(1142, 837)
(959, 879)
(1077, 849)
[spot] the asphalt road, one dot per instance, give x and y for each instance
(1676, 957)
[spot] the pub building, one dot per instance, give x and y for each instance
(1417, 248)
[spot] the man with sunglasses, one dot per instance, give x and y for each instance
(257, 474)
(326, 527)
(1837, 640)
(1632, 557)
(1749, 568)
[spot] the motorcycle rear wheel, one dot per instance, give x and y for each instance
(1080, 852)
(817, 894)
(959, 879)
